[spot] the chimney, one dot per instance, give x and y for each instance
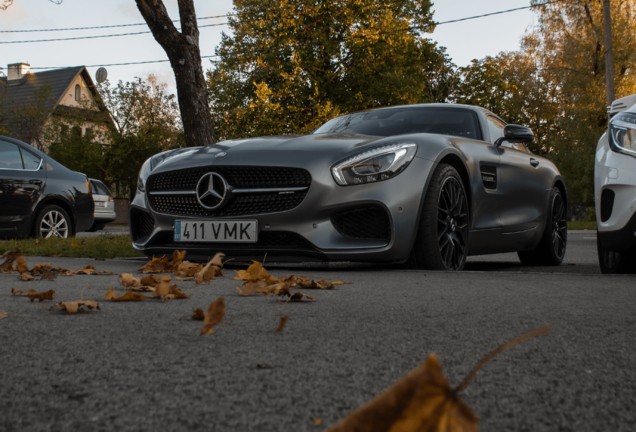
(17, 71)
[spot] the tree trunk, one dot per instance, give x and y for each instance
(185, 58)
(609, 56)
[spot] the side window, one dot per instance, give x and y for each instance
(10, 156)
(496, 128)
(78, 92)
(31, 161)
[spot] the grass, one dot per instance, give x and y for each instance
(100, 247)
(582, 225)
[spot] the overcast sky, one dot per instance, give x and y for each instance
(464, 41)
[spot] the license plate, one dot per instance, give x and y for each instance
(226, 231)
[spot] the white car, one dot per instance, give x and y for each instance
(615, 189)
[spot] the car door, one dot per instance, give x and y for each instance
(521, 182)
(22, 180)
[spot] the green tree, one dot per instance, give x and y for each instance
(291, 65)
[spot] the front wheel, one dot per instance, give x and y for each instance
(614, 262)
(551, 248)
(442, 237)
(52, 221)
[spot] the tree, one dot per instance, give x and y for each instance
(291, 65)
(183, 52)
(145, 121)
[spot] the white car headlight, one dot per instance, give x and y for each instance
(377, 164)
(622, 133)
(144, 172)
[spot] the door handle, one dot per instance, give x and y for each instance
(534, 162)
(35, 182)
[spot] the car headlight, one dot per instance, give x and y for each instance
(144, 172)
(622, 133)
(377, 164)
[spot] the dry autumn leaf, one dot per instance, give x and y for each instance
(213, 316)
(128, 296)
(250, 287)
(15, 291)
(49, 275)
(128, 280)
(73, 307)
(46, 295)
(26, 277)
(208, 273)
(152, 280)
(3, 315)
(317, 421)
(9, 257)
(297, 297)
(423, 400)
(21, 265)
(198, 314)
(282, 323)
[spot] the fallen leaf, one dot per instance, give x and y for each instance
(188, 269)
(15, 291)
(253, 273)
(49, 275)
(185, 279)
(297, 297)
(75, 245)
(198, 314)
(213, 316)
(128, 280)
(217, 260)
(250, 287)
(73, 307)
(310, 284)
(128, 296)
(46, 295)
(9, 257)
(317, 421)
(275, 289)
(282, 323)
(89, 269)
(341, 283)
(152, 280)
(39, 269)
(26, 277)
(155, 265)
(22, 265)
(3, 314)
(423, 400)
(207, 273)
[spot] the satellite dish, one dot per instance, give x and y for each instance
(101, 75)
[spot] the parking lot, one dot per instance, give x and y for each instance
(143, 366)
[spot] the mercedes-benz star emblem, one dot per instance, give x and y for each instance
(211, 190)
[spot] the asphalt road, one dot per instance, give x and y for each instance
(138, 366)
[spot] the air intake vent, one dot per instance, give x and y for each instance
(141, 225)
(607, 204)
(489, 176)
(369, 222)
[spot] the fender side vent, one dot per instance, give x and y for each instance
(607, 204)
(141, 225)
(489, 176)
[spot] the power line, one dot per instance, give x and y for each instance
(103, 27)
(98, 36)
(211, 56)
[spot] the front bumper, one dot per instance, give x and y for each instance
(305, 233)
(621, 240)
(105, 216)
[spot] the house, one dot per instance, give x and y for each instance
(34, 107)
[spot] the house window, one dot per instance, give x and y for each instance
(64, 129)
(88, 132)
(78, 92)
(76, 131)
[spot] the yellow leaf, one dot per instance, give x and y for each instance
(128, 280)
(213, 316)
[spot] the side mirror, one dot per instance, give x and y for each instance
(516, 133)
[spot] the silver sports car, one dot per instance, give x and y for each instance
(426, 185)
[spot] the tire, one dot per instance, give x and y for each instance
(53, 216)
(553, 245)
(442, 236)
(97, 226)
(614, 262)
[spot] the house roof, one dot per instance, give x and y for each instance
(21, 92)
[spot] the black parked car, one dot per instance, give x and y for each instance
(39, 196)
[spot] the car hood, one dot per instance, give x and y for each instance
(291, 151)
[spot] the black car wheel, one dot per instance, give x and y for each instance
(614, 262)
(441, 242)
(553, 244)
(52, 221)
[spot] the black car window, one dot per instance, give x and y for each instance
(10, 156)
(400, 121)
(496, 127)
(31, 161)
(99, 188)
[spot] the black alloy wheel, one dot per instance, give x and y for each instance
(452, 224)
(442, 237)
(551, 249)
(559, 227)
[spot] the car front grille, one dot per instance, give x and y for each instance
(141, 225)
(239, 204)
(238, 177)
(368, 222)
(607, 204)
(267, 240)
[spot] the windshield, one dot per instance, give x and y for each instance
(399, 121)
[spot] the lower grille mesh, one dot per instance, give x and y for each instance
(369, 222)
(238, 205)
(607, 204)
(141, 225)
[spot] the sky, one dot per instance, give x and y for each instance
(464, 41)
